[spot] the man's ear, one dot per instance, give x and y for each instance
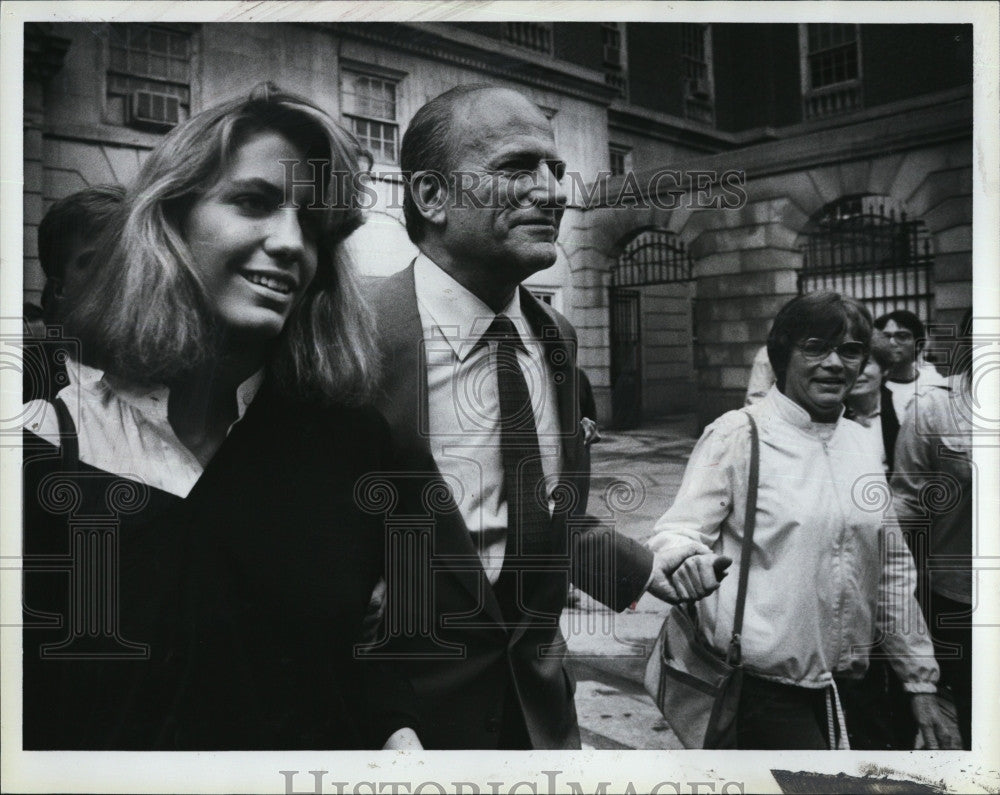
(430, 195)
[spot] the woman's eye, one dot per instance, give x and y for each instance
(253, 204)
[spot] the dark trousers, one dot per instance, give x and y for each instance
(774, 716)
(878, 710)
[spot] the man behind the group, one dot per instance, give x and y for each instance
(908, 374)
(67, 238)
(480, 391)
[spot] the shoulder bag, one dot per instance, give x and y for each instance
(696, 689)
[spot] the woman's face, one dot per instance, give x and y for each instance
(869, 380)
(819, 382)
(256, 255)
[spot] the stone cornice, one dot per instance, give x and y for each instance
(935, 119)
(674, 129)
(105, 135)
(482, 54)
(664, 127)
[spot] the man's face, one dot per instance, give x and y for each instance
(901, 343)
(505, 201)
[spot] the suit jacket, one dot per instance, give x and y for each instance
(444, 624)
(239, 605)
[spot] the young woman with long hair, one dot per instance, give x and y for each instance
(192, 491)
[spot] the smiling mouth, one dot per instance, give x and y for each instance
(283, 285)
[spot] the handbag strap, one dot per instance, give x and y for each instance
(735, 654)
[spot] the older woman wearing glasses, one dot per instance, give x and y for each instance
(830, 579)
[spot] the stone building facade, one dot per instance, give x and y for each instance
(720, 169)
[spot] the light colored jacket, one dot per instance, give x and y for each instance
(829, 570)
(932, 483)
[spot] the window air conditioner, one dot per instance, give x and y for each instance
(154, 109)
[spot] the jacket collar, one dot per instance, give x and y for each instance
(792, 413)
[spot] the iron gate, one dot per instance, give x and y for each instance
(626, 359)
(860, 247)
(653, 256)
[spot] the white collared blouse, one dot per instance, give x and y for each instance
(124, 429)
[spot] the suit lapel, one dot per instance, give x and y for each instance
(403, 402)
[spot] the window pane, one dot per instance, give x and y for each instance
(158, 66)
(158, 41)
(179, 46)
(138, 37)
(138, 62)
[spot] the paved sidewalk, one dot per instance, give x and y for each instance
(635, 477)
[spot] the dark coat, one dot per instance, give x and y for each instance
(238, 607)
(444, 621)
(890, 426)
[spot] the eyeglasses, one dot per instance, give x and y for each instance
(815, 348)
(898, 336)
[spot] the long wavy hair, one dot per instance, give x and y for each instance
(144, 316)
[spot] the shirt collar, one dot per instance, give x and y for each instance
(449, 311)
(154, 399)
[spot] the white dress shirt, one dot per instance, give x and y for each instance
(124, 429)
(463, 419)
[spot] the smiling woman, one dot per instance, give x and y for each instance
(829, 575)
(213, 426)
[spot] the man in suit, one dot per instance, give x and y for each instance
(480, 391)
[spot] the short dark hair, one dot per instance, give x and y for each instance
(906, 319)
(822, 314)
(880, 351)
(83, 215)
(427, 146)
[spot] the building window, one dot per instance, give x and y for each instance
(547, 295)
(615, 57)
(149, 76)
(831, 69)
(696, 58)
(530, 35)
(620, 158)
(867, 247)
(369, 104)
(611, 34)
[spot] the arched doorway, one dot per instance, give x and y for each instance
(867, 247)
(651, 326)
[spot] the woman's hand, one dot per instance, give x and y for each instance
(936, 730)
(403, 740)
